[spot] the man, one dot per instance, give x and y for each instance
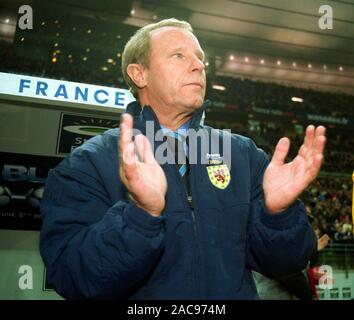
(154, 232)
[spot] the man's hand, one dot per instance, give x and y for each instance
(322, 242)
(139, 170)
(284, 182)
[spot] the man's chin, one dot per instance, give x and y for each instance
(195, 104)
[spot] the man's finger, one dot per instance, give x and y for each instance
(320, 143)
(309, 136)
(144, 149)
(320, 131)
(314, 169)
(129, 164)
(302, 151)
(320, 140)
(314, 157)
(125, 136)
(127, 154)
(126, 127)
(281, 151)
(317, 140)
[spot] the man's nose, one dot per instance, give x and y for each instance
(197, 64)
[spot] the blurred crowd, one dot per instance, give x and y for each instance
(69, 69)
(247, 93)
(329, 201)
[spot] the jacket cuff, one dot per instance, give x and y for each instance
(283, 220)
(142, 221)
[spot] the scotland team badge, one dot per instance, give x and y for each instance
(219, 175)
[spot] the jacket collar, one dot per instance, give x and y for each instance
(147, 113)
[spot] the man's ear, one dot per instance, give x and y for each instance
(137, 73)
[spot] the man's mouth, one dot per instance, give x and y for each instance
(196, 84)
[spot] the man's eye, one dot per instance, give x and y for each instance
(178, 55)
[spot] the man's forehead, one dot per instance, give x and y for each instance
(169, 29)
(164, 33)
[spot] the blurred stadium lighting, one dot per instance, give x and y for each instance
(7, 27)
(218, 87)
(297, 99)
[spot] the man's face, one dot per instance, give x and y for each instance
(176, 75)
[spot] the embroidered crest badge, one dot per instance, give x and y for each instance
(219, 175)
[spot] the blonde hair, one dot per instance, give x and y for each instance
(137, 49)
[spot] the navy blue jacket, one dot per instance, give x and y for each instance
(97, 244)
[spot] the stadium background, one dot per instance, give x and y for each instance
(271, 71)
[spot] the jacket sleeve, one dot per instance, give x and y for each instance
(91, 247)
(278, 244)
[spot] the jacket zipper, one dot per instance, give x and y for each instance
(196, 258)
(197, 243)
